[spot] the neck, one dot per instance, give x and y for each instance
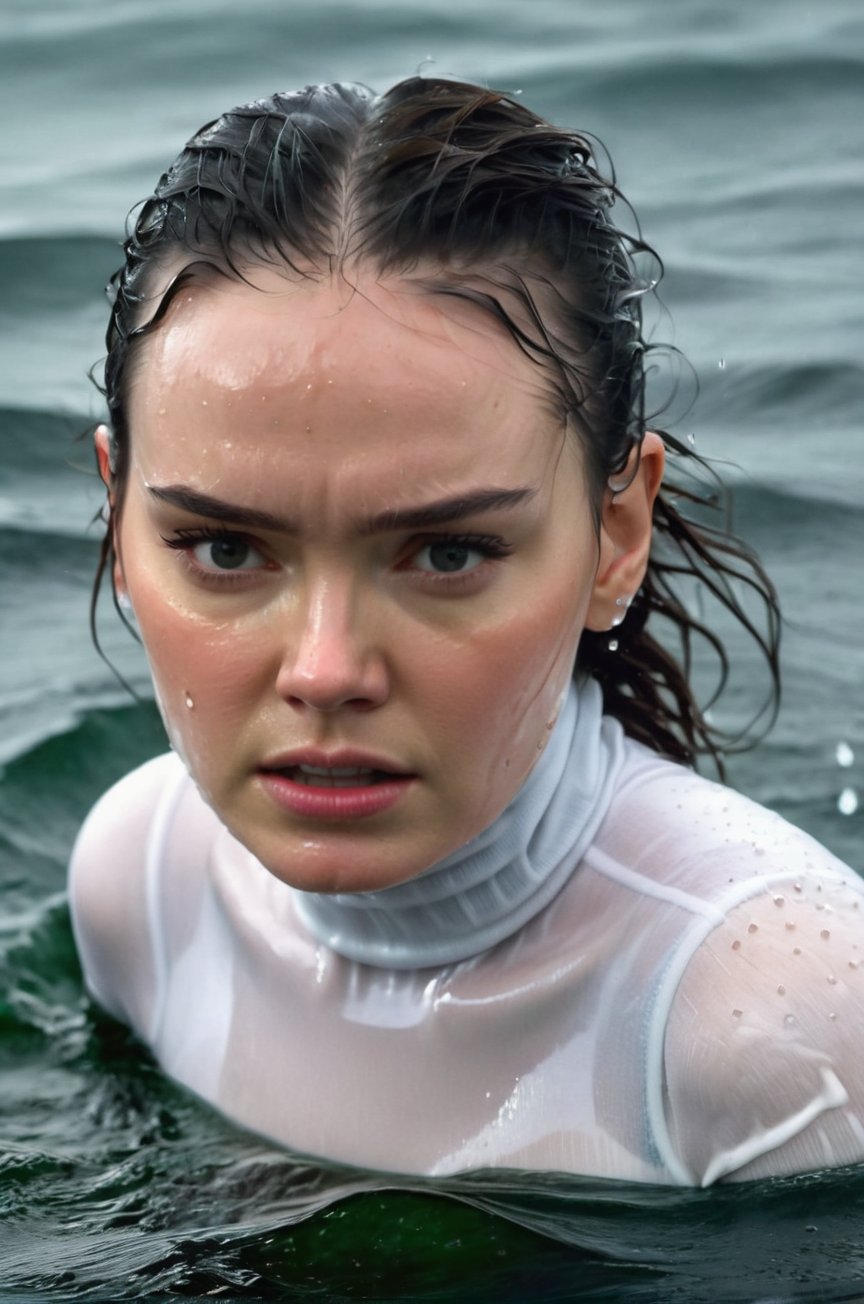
(488, 889)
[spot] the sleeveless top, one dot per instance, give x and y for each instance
(687, 1007)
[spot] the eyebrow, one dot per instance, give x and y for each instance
(401, 518)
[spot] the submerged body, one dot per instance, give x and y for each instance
(686, 1008)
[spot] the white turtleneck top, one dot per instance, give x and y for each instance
(633, 973)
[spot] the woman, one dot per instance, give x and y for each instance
(427, 883)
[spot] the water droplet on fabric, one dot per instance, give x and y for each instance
(691, 439)
(847, 802)
(721, 364)
(789, 1020)
(845, 755)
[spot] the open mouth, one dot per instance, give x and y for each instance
(336, 776)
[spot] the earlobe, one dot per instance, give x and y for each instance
(625, 534)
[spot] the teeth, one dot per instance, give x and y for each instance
(337, 776)
(337, 771)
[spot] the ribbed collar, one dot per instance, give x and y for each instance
(488, 889)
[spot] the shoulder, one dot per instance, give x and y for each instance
(108, 884)
(762, 1056)
(677, 828)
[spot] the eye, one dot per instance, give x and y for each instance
(226, 553)
(455, 555)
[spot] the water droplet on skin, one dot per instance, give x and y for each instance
(790, 927)
(853, 964)
(832, 980)
(832, 1017)
(189, 702)
(781, 990)
(162, 411)
(796, 950)
(203, 402)
(847, 802)
(789, 1020)
(736, 945)
(796, 887)
(779, 900)
(844, 755)
(753, 928)
(736, 1014)
(825, 934)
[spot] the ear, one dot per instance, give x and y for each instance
(102, 440)
(625, 534)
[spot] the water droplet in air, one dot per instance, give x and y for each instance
(613, 645)
(845, 755)
(825, 934)
(847, 802)
(188, 700)
(752, 928)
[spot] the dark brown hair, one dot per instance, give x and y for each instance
(491, 204)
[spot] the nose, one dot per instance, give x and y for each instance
(330, 662)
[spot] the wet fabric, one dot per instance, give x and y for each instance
(686, 1008)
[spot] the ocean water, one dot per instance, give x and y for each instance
(736, 132)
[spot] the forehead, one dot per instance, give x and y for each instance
(337, 370)
(234, 332)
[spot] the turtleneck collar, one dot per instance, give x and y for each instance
(486, 890)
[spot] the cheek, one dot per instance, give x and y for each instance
(503, 687)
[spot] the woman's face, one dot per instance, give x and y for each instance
(360, 551)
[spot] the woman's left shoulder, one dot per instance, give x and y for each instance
(694, 834)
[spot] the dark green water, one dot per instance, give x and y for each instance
(736, 131)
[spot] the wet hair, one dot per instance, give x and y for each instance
(468, 191)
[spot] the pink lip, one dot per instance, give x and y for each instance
(332, 803)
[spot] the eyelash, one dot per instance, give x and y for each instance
(490, 546)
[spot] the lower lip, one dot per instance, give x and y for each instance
(334, 803)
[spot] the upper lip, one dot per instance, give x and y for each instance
(339, 758)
